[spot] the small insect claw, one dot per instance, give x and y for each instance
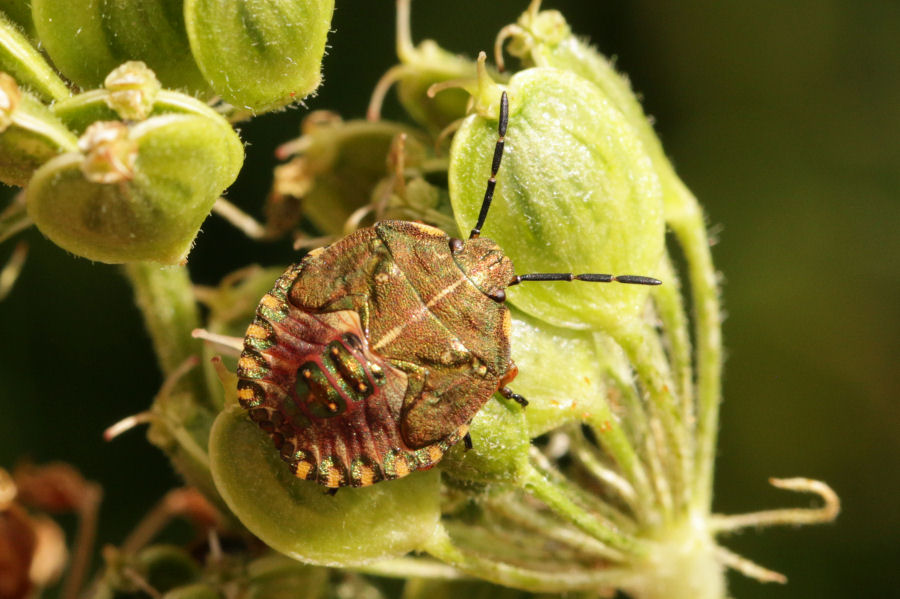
(509, 394)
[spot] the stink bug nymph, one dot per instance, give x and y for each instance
(369, 358)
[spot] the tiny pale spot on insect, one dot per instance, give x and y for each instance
(247, 363)
(257, 332)
(382, 277)
(333, 477)
(402, 467)
(366, 476)
(270, 302)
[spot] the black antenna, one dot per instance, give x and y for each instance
(593, 278)
(495, 166)
(486, 205)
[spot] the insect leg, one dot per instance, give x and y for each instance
(508, 394)
(495, 166)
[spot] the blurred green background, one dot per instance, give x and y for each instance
(783, 117)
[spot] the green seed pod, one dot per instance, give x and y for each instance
(88, 40)
(577, 193)
(295, 517)
(337, 166)
(547, 357)
(30, 134)
(136, 192)
(259, 55)
(22, 60)
(544, 39)
(500, 445)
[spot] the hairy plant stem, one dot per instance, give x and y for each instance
(685, 217)
(611, 436)
(644, 350)
(442, 547)
(563, 502)
(14, 218)
(166, 300)
(670, 310)
(183, 412)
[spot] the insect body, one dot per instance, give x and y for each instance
(369, 358)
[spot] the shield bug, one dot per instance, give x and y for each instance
(368, 359)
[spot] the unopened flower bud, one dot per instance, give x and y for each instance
(132, 90)
(109, 152)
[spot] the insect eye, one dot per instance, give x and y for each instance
(456, 245)
(498, 296)
(353, 341)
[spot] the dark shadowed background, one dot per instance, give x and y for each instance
(784, 119)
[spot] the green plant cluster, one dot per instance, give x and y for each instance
(118, 166)
(603, 482)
